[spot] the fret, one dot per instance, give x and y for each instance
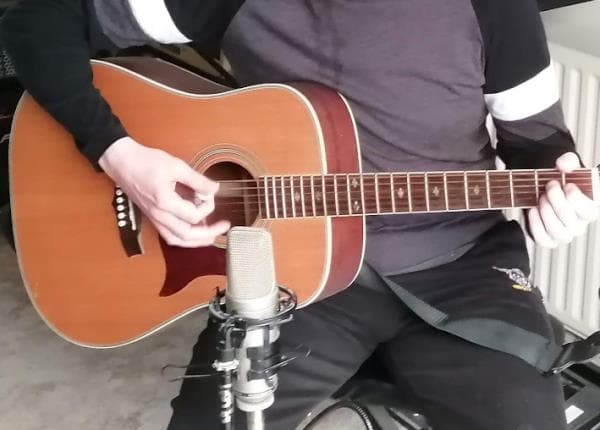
(385, 193)
(309, 196)
(418, 192)
(408, 187)
(302, 196)
(275, 207)
(318, 203)
(466, 190)
(377, 194)
(392, 193)
(312, 195)
(283, 198)
(343, 195)
(455, 188)
(487, 189)
(289, 196)
(523, 194)
(426, 193)
(477, 189)
(266, 192)
(329, 195)
(563, 178)
(335, 191)
(446, 191)
(369, 194)
(537, 186)
(324, 195)
(293, 196)
(500, 196)
(355, 190)
(512, 195)
(401, 193)
(349, 197)
(362, 193)
(435, 185)
(260, 197)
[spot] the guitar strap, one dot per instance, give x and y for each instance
(544, 354)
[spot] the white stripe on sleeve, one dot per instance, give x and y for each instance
(529, 98)
(156, 21)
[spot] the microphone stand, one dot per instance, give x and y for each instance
(232, 331)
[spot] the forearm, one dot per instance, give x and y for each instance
(534, 142)
(49, 44)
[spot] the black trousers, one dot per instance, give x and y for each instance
(457, 385)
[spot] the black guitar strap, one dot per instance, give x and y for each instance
(542, 353)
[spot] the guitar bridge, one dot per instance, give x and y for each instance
(128, 219)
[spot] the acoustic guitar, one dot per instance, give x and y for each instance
(287, 158)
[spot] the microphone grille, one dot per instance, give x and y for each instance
(250, 266)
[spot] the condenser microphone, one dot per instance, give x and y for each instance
(252, 293)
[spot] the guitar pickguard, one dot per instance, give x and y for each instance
(186, 264)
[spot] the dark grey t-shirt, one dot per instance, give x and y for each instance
(412, 72)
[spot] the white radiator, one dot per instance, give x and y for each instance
(569, 276)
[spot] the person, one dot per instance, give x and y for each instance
(421, 76)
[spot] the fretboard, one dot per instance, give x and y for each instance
(419, 192)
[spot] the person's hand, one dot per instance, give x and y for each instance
(562, 212)
(149, 176)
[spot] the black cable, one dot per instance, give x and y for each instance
(363, 414)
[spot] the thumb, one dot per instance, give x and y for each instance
(195, 180)
(567, 162)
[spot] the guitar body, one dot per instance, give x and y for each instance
(76, 267)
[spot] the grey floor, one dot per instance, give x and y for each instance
(47, 383)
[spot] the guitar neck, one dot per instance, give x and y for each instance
(415, 192)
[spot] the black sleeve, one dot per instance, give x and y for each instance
(50, 44)
(521, 90)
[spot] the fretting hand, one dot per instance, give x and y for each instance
(562, 212)
(149, 176)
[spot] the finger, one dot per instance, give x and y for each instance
(538, 231)
(584, 207)
(202, 185)
(553, 225)
(170, 201)
(208, 234)
(563, 208)
(568, 162)
(190, 235)
(166, 234)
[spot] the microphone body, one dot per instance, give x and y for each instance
(252, 293)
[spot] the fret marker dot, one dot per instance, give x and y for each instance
(356, 206)
(476, 190)
(318, 196)
(354, 183)
(297, 197)
(400, 193)
(436, 191)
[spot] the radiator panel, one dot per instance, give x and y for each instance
(569, 276)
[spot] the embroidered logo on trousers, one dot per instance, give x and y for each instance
(521, 282)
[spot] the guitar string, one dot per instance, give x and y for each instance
(421, 175)
(413, 180)
(385, 188)
(385, 192)
(402, 206)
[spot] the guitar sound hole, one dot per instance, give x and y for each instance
(237, 199)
